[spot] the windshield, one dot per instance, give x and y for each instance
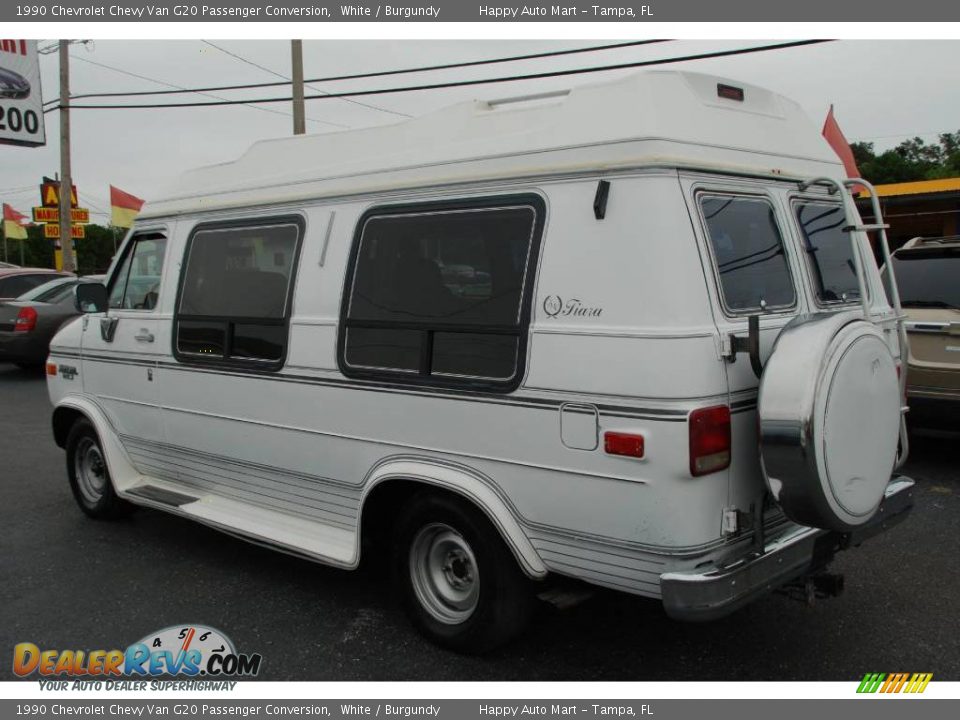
(51, 289)
(930, 278)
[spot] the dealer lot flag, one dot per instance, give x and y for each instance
(124, 207)
(836, 139)
(12, 227)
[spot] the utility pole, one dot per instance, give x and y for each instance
(296, 60)
(66, 183)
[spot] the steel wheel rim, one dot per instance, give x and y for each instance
(444, 574)
(91, 470)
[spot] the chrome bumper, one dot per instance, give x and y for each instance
(717, 592)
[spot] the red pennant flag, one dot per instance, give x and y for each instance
(834, 136)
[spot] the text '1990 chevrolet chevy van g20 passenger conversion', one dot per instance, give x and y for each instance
(631, 334)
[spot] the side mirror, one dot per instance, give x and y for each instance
(91, 297)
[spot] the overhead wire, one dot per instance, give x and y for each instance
(469, 83)
(280, 75)
(378, 73)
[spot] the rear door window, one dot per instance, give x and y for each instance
(748, 252)
(828, 250)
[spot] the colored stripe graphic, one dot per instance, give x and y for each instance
(894, 682)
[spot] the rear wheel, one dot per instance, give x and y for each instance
(459, 582)
(89, 475)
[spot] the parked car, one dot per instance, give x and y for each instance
(28, 322)
(13, 85)
(928, 275)
(16, 281)
(612, 334)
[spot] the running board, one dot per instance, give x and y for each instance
(161, 495)
(288, 533)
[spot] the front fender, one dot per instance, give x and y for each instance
(474, 486)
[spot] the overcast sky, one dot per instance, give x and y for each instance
(883, 92)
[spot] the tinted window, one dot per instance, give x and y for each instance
(48, 289)
(748, 251)
(440, 294)
(928, 278)
(19, 284)
(235, 296)
(136, 284)
(829, 251)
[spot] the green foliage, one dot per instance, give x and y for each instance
(911, 160)
(94, 252)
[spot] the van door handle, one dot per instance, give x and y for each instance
(143, 336)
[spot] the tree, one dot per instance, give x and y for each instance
(94, 252)
(911, 160)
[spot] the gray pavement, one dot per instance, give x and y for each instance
(70, 582)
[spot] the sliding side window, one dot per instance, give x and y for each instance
(748, 251)
(441, 294)
(236, 292)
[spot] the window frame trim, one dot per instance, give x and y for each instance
(226, 362)
(735, 313)
(126, 252)
(532, 200)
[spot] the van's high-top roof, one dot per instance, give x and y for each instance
(672, 119)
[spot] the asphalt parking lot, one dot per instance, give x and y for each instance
(70, 582)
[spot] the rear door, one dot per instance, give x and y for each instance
(752, 269)
(121, 347)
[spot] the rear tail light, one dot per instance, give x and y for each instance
(709, 440)
(26, 320)
(51, 368)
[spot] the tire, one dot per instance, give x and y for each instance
(459, 583)
(89, 476)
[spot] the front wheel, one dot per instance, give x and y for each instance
(89, 475)
(460, 584)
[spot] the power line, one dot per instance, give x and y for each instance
(56, 103)
(379, 73)
(279, 75)
(468, 83)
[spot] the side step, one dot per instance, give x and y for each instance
(298, 536)
(161, 495)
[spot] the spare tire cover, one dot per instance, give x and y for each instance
(829, 415)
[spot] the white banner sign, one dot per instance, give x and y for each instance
(21, 101)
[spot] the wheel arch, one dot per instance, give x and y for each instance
(394, 480)
(73, 408)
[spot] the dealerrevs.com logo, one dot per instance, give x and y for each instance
(189, 651)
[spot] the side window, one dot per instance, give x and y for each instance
(235, 293)
(748, 251)
(441, 295)
(136, 284)
(828, 251)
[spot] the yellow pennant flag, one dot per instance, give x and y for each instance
(12, 229)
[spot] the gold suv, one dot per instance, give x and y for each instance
(928, 275)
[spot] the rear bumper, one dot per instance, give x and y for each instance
(719, 591)
(22, 347)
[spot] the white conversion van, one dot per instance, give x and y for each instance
(631, 334)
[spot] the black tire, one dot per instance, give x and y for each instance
(498, 600)
(89, 476)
